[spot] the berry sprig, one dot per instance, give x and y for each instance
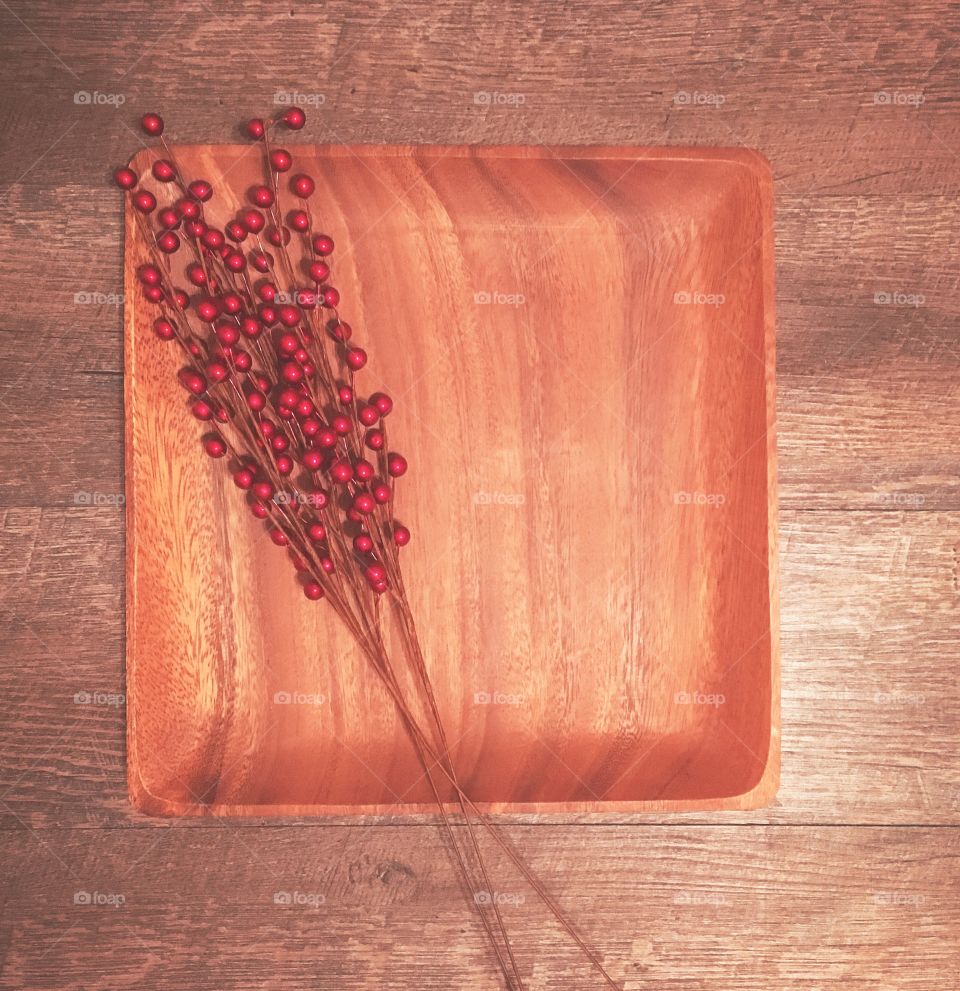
(270, 368)
(270, 362)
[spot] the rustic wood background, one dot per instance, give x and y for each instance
(850, 878)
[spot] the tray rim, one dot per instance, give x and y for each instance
(764, 791)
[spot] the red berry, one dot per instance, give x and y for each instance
(313, 591)
(364, 503)
(299, 220)
(323, 244)
(263, 491)
(262, 196)
(279, 537)
(236, 231)
(200, 189)
(341, 424)
(302, 185)
(256, 400)
(164, 170)
(168, 218)
(152, 124)
(215, 447)
(168, 242)
(363, 470)
(217, 371)
(397, 465)
(164, 329)
(207, 310)
(313, 460)
(330, 296)
(317, 532)
(294, 118)
(368, 415)
(362, 543)
(145, 201)
(356, 358)
(255, 128)
(243, 478)
(231, 303)
(280, 160)
(341, 472)
(125, 178)
(201, 410)
(375, 573)
(345, 395)
(253, 220)
(401, 535)
(375, 440)
(149, 275)
(213, 238)
(382, 493)
(326, 438)
(284, 464)
(259, 510)
(196, 274)
(319, 271)
(193, 381)
(187, 209)
(383, 403)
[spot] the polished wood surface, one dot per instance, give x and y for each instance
(584, 388)
(866, 203)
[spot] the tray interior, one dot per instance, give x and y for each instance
(579, 342)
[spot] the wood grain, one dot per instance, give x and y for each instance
(595, 507)
(871, 717)
(868, 415)
(721, 908)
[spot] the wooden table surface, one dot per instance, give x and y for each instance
(850, 877)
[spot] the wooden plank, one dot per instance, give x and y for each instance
(871, 718)
(750, 908)
(867, 391)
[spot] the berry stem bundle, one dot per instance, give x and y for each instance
(270, 368)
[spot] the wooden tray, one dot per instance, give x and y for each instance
(580, 342)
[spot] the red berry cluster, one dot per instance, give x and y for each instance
(270, 364)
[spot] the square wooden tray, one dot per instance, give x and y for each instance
(580, 343)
